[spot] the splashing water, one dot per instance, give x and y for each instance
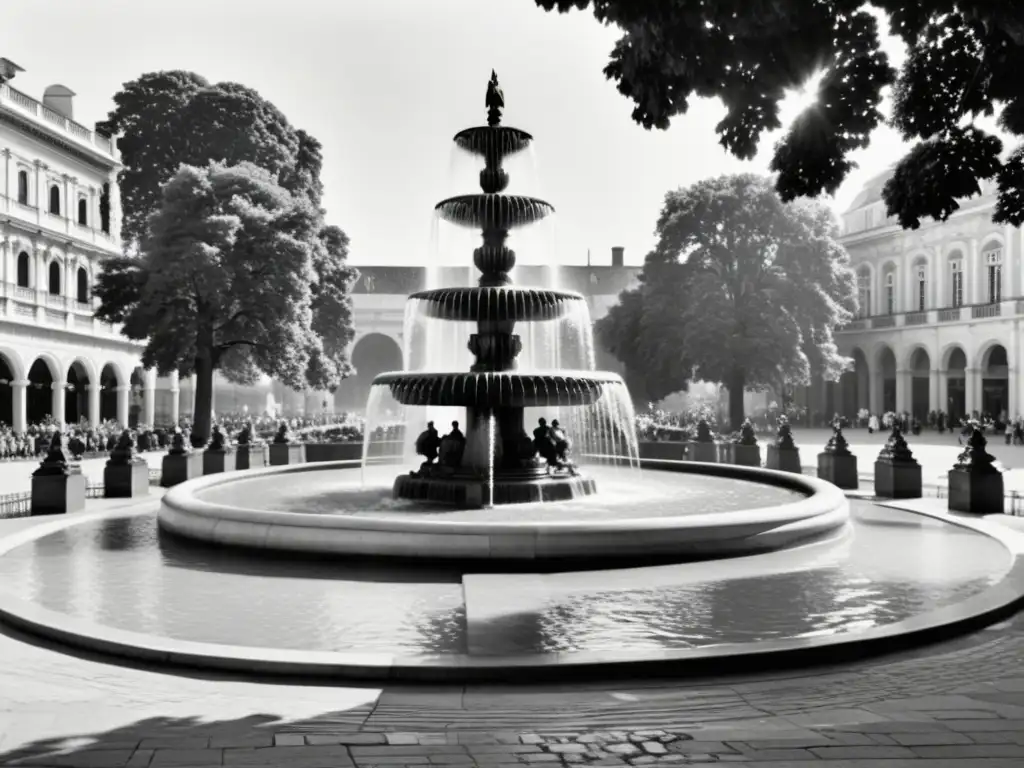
(490, 460)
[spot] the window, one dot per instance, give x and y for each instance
(956, 282)
(994, 273)
(23, 187)
(105, 209)
(890, 293)
(55, 200)
(864, 293)
(922, 288)
(54, 278)
(83, 212)
(23, 270)
(83, 285)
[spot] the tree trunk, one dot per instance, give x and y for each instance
(201, 419)
(736, 384)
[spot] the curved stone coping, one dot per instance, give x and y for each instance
(716, 533)
(973, 613)
(492, 389)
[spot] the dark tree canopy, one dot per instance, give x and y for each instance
(236, 274)
(965, 60)
(741, 289)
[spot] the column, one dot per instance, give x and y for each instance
(94, 404)
(67, 199)
(58, 401)
(39, 191)
(19, 403)
(875, 392)
(935, 397)
(123, 400)
(175, 399)
(973, 275)
(115, 205)
(149, 397)
(192, 396)
(902, 390)
(972, 385)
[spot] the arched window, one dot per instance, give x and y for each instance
(956, 282)
(994, 274)
(105, 209)
(922, 287)
(23, 187)
(864, 292)
(890, 293)
(55, 200)
(54, 278)
(23, 270)
(83, 212)
(83, 285)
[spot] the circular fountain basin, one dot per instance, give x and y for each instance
(113, 582)
(502, 389)
(687, 510)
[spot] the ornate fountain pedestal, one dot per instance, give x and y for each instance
(975, 484)
(897, 473)
(837, 463)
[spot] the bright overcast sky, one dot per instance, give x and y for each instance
(385, 84)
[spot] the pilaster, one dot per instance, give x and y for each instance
(972, 387)
(903, 386)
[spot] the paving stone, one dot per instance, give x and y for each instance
(699, 747)
(474, 738)
(777, 754)
(970, 751)
(347, 739)
(187, 758)
(860, 753)
(99, 758)
(654, 748)
(643, 760)
(623, 749)
(289, 739)
(531, 738)
(297, 757)
(928, 739)
(996, 737)
(242, 740)
(397, 750)
(140, 758)
(984, 725)
(543, 757)
(504, 749)
(176, 742)
(559, 748)
(588, 738)
(963, 714)
(402, 738)
(571, 757)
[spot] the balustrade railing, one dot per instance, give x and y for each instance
(986, 310)
(916, 318)
(38, 109)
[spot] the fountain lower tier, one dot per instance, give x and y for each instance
(498, 463)
(497, 304)
(493, 211)
(500, 389)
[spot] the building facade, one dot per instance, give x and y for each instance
(940, 317)
(59, 218)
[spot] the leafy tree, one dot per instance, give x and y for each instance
(965, 59)
(235, 273)
(741, 289)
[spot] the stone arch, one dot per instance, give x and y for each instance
(993, 364)
(43, 374)
(372, 354)
(9, 370)
(855, 385)
(954, 368)
(110, 379)
(886, 367)
(79, 377)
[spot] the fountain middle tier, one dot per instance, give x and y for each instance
(499, 389)
(493, 211)
(498, 304)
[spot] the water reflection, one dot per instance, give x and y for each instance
(124, 573)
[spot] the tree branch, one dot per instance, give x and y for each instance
(239, 314)
(239, 342)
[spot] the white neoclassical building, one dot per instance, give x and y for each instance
(940, 312)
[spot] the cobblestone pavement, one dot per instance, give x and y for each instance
(957, 704)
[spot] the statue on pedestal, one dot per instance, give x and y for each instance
(125, 452)
(178, 445)
(428, 445)
(283, 434)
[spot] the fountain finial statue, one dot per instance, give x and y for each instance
(495, 101)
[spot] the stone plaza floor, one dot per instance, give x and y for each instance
(958, 703)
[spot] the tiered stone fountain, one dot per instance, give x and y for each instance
(498, 462)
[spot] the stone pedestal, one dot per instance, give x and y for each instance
(897, 479)
(126, 481)
(57, 494)
(784, 459)
(980, 493)
(219, 460)
(707, 452)
(179, 467)
(251, 456)
(743, 455)
(282, 454)
(839, 470)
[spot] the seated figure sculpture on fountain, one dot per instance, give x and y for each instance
(428, 445)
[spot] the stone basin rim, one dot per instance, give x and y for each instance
(822, 498)
(976, 611)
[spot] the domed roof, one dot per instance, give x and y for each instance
(871, 192)
(58, 90)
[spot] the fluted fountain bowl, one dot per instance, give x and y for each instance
(490, 304)
(493, 211)
(497, 390)
(496, 142)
